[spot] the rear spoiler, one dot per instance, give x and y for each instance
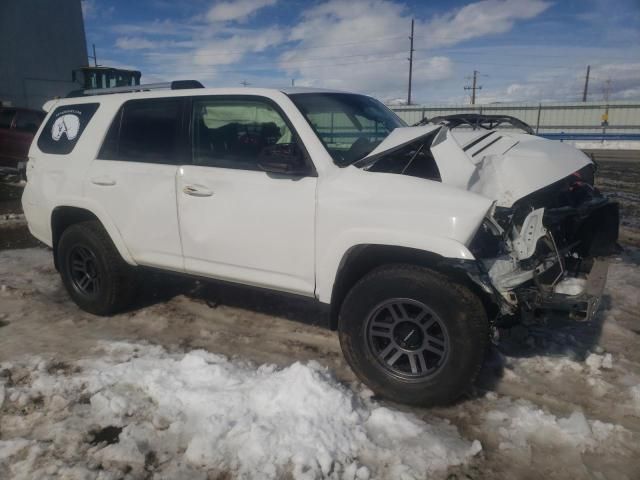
(49, 104)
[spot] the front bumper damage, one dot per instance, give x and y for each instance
(580, 306)
(549, 259)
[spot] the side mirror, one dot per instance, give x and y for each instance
(283, 158)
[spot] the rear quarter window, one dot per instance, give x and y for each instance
(64, 128)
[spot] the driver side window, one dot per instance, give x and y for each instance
(233, 133)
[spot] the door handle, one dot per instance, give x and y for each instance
(197, 191)
(103, 181)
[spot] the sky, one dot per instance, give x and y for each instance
(524, 50)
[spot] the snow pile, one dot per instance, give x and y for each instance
(520, 423)
(198, 412)
(597, 362)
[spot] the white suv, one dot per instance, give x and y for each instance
(421, 239)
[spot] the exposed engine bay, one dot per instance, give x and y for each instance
(537, 246)
(541, 252)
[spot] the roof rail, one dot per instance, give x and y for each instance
(175, 85)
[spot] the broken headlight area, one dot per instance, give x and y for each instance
(539, 254)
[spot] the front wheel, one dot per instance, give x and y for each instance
(413, 335)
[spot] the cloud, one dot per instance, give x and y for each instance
(223, 51)
(550, 85)
(359, 45)
(237, 10)
(371, 35)
(135, 43)
(487, 17)
(91, 11)
(144, 43)
(88, 8)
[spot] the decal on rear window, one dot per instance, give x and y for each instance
(64, 128)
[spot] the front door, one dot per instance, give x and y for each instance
(238, 222)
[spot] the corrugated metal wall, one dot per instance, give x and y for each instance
(581, 118)
(42, 41)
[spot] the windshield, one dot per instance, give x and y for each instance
(350, 126)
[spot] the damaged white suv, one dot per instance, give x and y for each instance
(420, 238)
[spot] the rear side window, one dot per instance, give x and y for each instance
(64, 128)
(145, 131)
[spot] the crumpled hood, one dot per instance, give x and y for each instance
(496, 164)
(400, 137)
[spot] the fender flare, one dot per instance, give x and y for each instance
(102, 216)
(335, 255)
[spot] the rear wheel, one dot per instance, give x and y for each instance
(97, 278)
(413, 335)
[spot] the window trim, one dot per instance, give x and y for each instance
(180, 158)
(312, 172)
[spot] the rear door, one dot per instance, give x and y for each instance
(237, 222)
(134, 178)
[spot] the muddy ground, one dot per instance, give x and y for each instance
(537, 375)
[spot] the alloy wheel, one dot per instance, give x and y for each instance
(407, 338)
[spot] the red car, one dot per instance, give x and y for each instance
(17, 128)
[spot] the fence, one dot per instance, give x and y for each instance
(616, 120)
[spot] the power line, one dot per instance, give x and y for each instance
(315, 47)
(390, 55)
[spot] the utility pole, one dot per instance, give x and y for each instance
(605, 117)
(95, 59)
(606, 90)
(586, 84)
(474, 87)
(410, 64)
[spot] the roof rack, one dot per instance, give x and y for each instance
(175, 85)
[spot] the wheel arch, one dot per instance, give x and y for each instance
(359, 260)
(63, 216)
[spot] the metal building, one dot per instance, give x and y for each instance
(614, 120)
(41, 43)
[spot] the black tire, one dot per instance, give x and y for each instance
(453, 316)
(114, 282)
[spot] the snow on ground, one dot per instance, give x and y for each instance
(225, 386)
(606, 144)
(12, 219)
(182, 413)
(520, 423)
